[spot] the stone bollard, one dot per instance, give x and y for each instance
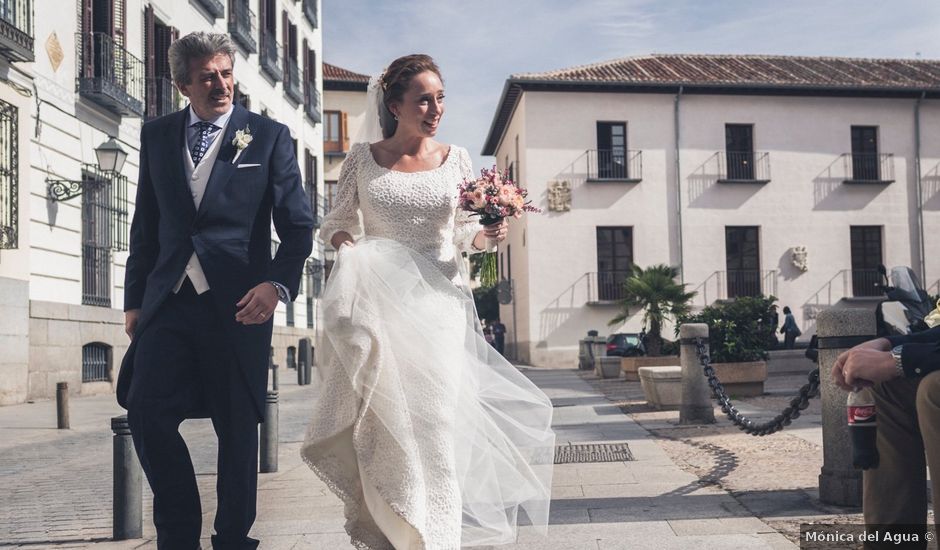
(696, 407)
(268, 444)
(309, 366)
(274, 380)
(838, 330)
(303, 359)
(127, 502)
(62, 405)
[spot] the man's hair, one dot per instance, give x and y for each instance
(197, 45)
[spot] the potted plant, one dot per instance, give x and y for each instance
(739, 333)
(653, 290)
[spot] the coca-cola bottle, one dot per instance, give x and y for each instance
(860, 406)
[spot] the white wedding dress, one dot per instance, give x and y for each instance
(432, 440)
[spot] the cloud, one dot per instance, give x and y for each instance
(478, 44)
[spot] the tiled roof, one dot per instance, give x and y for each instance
(727, 74)
(754, 70)
(339, 75)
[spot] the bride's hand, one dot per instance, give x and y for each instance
(498, 231)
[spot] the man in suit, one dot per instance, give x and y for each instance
(904, 372)
(201, 288)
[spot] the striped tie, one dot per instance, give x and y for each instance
(201, 145)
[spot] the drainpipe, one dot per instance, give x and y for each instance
(678, 185)
(917, 186)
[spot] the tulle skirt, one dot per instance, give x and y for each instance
(428, 435)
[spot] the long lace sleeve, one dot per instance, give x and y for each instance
(466, 226)
(344, 213)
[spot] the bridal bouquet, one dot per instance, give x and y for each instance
(492, 197)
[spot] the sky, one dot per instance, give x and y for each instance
(478, 44)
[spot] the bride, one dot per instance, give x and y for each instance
(432, 440)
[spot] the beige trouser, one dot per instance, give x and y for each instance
(908, 412)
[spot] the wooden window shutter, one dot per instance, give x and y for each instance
(344, 134)
(119, 24)
(150, 60)
(262, 18)
(307, 91)
(285, 44)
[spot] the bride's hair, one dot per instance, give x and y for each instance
(395, 81)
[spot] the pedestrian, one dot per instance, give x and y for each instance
(499, 337)
(789, 329)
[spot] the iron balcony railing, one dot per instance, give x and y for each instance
(310, 12)
(316, 205)
(615, 165)
(109, 75)
(16, 30)
(241, 25)
(312, 104)
(270, 62)
(868, 167)
(750, 282)
(743, 167)
(96, 275)
(215, 8)
(9, 176)
(606, 286)
(865, 282)
(292, 81)
(162, 97)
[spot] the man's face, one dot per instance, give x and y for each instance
(210, 86)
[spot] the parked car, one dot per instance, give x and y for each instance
(625, 344)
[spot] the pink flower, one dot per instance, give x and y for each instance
(506, 195)
(477, 198)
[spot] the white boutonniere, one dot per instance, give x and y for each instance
(241, 140)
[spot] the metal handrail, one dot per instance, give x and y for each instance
(868, 167)
(744, 166)
(614, 165)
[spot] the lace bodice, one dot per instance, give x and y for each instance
(417, 209)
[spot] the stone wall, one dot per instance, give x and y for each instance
(14, 340)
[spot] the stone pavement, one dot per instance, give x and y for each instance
(57, 484)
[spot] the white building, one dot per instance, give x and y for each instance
(97, 69)
(724, 166)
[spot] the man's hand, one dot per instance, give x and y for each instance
(864, 365)
(130, 322)
(258, 305)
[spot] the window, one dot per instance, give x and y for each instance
(310, 184)
(290, 313)
(241, 25)
(611, 161)
(329, 195)
(291, 65)
(865, 153)
(268, 51)
(291, 357)
(9, 176)
(108, 74)
(161, 95)
(96, 362)
(335, 136)
(16, 30)
(310, 12)
(867, 256)
(739, 151)
(240, 97)
(104, 228)
(742, 260)
(311, 94)
(614, 260)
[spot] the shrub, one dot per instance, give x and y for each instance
(739, 330)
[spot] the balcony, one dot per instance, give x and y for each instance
(619, 166)
(605, 287)
(312, 104)
(16, 30)
(292, 82)
(310, 12)
(270, 62)
(875, 168)
(241, 25)
(109, 75)
(162, 97)
(735, 283)
(316, 205)
(214, 8)
(743, 167)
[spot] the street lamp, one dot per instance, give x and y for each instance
(111, 157)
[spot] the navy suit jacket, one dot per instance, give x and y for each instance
(230, 232)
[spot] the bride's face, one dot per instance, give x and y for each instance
(422, 105)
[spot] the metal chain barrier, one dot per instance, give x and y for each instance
(797, 404)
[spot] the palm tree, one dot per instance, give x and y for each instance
(656, 292)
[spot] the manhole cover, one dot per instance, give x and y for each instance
(580, 454)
